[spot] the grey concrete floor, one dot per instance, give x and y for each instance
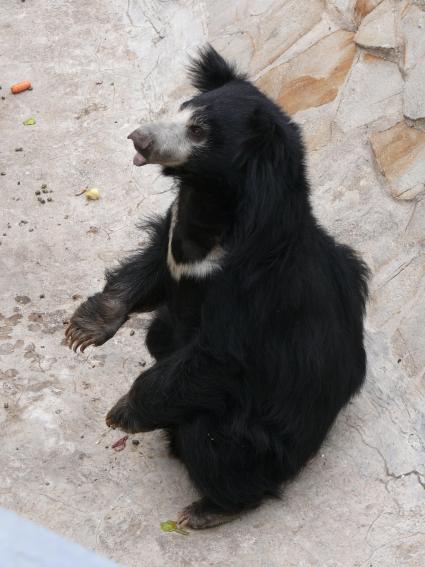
(98, 68)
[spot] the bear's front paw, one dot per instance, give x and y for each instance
(123, 416)
(94, 322)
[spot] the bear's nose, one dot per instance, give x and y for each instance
(140, 138)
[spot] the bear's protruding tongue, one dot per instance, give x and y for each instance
(139, 160)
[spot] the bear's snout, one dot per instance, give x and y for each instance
(142, 141)
(140, 138)
(165, 142)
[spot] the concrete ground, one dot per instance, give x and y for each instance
(351, 72)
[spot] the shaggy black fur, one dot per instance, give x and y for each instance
(255, 361)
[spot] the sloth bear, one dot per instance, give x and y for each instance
(257, 329)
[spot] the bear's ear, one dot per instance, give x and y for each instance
(262, 125)
(266, 138)
(210, 71)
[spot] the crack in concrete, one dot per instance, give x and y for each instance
(412, 214)
(130, 19)
(368, 563)
(387, 471)
(399, 270)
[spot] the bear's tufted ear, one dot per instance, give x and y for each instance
(266, 140)
(210, 71)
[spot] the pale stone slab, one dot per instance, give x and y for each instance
(343, 12)
(412, 28)
(313, 78)
(377, 31)
(267, 31)
(316, 125)
(363, 8)
(349, 13)
(371, 93)
(400, 154)
(325, 27)
(414, 93)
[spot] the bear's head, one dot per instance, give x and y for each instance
(224, 131)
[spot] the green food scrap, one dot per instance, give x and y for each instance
(29, 122)
(171, 526)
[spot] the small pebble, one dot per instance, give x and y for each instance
(42, 296)
(38, 192)
(6, 405)
(19, 149)
(49, 199)
(142, 363)
(132, 332)
(135, 442)
(19, 182)
(3, 98)
(42, 201)
(2, 173)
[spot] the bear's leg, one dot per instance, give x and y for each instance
(96, 321)
(138, 284)
(124, 415)
(229, 474)
(203, 514)
(160, 335)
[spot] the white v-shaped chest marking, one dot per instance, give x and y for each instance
(199, 269)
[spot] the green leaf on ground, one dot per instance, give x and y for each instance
(170, 526)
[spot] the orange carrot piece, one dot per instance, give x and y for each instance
(20, 87)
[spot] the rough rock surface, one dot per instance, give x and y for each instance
(314, 77)
(97, 69)
(349, 13)
(378, 33)
(412, 28)
(372, 93)
(400, 153)
(414, 93)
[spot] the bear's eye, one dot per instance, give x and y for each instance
(196, 132)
